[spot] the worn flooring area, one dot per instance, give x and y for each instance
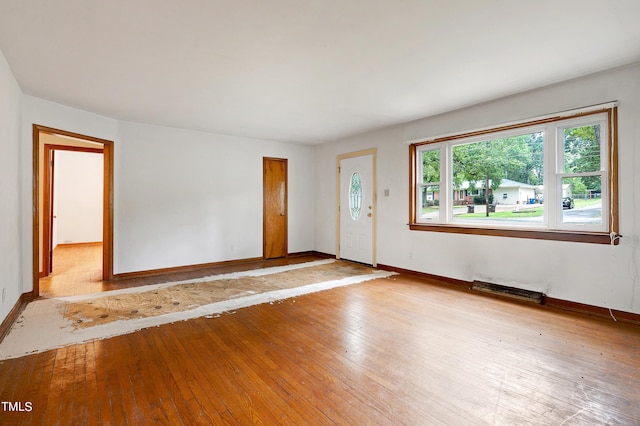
(401, 350)
(177, 297)
(50, 323)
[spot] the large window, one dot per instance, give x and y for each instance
(551, 178)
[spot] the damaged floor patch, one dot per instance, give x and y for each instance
(50, 323)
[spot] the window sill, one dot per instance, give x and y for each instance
(536, 234)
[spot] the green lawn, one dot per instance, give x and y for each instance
(533, 211)
(529, 212)
(426, 210)
(585, 203)
(537, 211)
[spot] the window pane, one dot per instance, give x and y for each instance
(430, 202)
(505, 173)
(431, 166)
(355, 196)
(582, 200)
(582, 149)
(494, 180)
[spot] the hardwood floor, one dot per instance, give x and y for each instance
(77, 269)
(403, 350)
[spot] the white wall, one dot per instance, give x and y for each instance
(10, 242)
(594, 274)
(181, 197)
(78, 194)
(188, 197)
(514, 195)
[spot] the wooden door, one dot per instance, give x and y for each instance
(275, 218)
(48, 216)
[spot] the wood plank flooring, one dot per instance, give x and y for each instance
(77, 269)
(403, 350)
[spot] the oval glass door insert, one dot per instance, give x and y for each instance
(355, 195)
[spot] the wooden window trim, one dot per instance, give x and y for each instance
(536, 234)
(611, 237)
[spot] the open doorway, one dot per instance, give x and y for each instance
(72, 217)
(57, 156)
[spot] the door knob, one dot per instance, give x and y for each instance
(369, 215)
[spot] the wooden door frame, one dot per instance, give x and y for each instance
(374, 237)
(107, 203)
(286, 204)
(47, 206)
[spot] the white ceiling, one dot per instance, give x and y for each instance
(304, 71)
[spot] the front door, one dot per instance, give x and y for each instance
(357, 209)
(275, 208)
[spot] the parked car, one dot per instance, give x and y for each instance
(567, 203)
